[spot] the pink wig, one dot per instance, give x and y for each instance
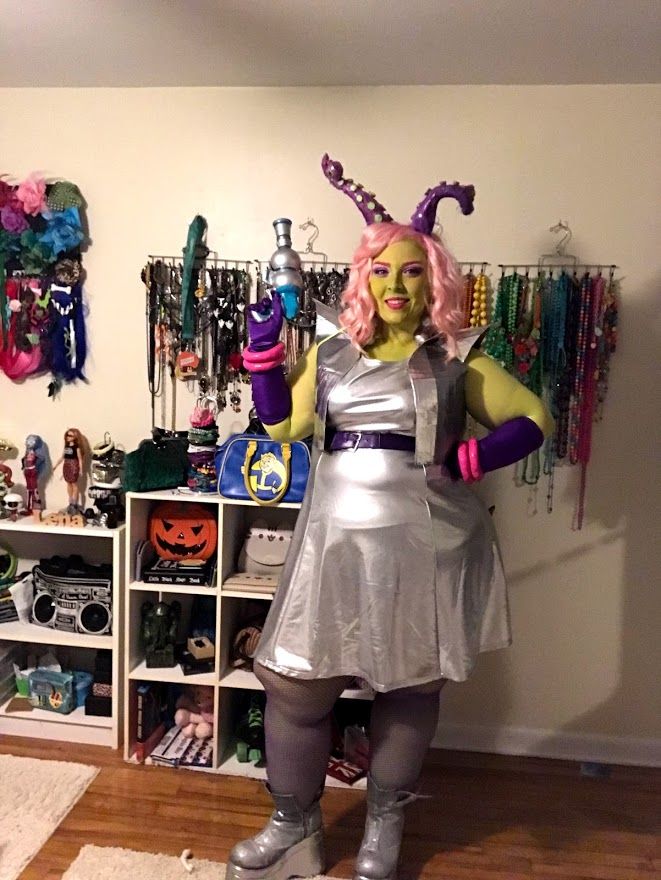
(359, 317)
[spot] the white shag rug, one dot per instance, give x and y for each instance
(112, 863)
(35, 796)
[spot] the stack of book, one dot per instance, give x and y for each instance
(7, 608)
(8, 656)
(177, 750)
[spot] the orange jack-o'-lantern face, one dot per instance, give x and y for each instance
(180, 531)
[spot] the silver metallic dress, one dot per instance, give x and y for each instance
(387, 579)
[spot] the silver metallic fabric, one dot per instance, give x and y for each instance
(291, 844)
(379, 850)
(394, 573)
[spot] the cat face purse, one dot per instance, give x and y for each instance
(265, 549)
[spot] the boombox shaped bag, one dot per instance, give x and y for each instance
(73, 596)
(264, 549)
(251, 467)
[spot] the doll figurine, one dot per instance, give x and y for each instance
(6, 483)
(33, 464)
(394, 574)
(73, 467)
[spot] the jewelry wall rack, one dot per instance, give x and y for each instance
(554, 327)
(209, 364)
(599, 267)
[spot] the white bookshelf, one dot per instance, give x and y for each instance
(32, 541)
(233, 519)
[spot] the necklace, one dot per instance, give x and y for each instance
(498, 341)
(478, 313)
(528, 364)
(606, 330)
(588, 392)
(469, 287)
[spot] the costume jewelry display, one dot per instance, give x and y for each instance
(556, 333)
(42, 326)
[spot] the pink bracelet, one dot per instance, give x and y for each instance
(464, 467)
(474, 459)
(263, 367)
(257, 357)
(261, 361)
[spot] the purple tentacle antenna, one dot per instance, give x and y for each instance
(366, 202)
(424, 216)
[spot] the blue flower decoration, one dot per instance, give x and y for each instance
(63, 232)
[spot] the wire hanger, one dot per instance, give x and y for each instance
(559, 257)
(314, 235)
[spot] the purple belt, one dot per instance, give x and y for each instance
(371, 440)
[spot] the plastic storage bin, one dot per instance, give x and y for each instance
(82, 683)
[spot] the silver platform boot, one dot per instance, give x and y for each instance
(291, 844)
(379, 851)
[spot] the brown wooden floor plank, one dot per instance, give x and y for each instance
(492, 817)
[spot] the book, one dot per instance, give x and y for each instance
(192, 666)
(8, 610)
(161, 748)
(149, 701)
(344, 770)
(167, 571)
(198, 754)
(171, 748)
(246, 581)
(176, 750)
(143, 750)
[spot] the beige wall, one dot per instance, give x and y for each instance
(583, 675)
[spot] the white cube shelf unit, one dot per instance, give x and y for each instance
(234, 520)
(31, 541)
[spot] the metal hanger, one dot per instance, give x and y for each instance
(309, 247)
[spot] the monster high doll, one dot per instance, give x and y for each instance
(73, 467)
(394, 574)
(33, 463)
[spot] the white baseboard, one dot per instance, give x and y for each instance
(549, 744)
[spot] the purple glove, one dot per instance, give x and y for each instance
(270, 392)
(506, 444)
(271, 395)
(264, 323)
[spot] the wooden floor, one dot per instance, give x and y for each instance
(491, 817)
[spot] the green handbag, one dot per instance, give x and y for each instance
(160, 462)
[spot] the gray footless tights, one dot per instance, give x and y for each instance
(298, 737)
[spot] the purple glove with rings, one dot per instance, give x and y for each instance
(263, 358)
(264, 323)
(506, 444)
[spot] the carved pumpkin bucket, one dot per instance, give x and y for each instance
(183, 531)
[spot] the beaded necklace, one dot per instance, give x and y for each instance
(581, 345)
(554, 296)
(479, 309)
(528, 352)
(469, 286)
(499, 339)
(606, 339)
(570, 290)
(588, 399)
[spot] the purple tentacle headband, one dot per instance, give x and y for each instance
(423, 217)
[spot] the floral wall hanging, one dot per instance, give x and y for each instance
(42, 326)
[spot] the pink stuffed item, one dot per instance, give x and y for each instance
(194, 713)
(203, 416)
